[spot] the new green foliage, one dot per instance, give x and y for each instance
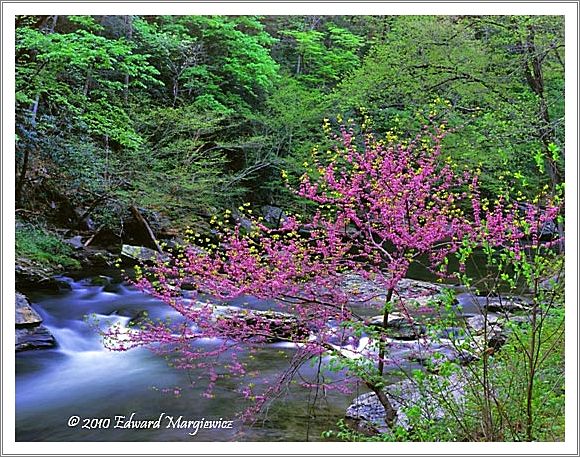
(481, 69)
(220, 106)
(187, 176)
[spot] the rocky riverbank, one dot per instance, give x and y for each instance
(30, 333)
(471, 337)
(31, 275)
(412, 340)
(411, 337)
(366, 415)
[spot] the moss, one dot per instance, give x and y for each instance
(44, 248)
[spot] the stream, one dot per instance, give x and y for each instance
(81, 379)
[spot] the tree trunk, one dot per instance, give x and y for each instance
(147, 228)
(390, 411)
(107, 175)
(534, 74)
(87, 83)
(129, 35)
(175, 90)
(533, 360)
(381, 365)
(26, 159)
(535, 78)
(48, 27)
(22, 177)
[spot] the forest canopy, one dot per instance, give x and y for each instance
(188, 114)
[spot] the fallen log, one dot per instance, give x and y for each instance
(146, 227)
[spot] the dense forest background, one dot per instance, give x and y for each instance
(183, 116)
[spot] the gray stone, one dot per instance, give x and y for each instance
(399, 326)
(37, 337)
(507, 304)
(139, 318)
(477, 323)
(273, 215)
(174, 243)
(242, 220)
(141, 253)
(434, 354)
(520, 320)
(366, 414)
(32, 276)
(76, 242)
(112, 287)
(411, 288)
(29, 333)
(277, 326)
(549, 230)
(25, 315)
(553, 282)
(452, 333)
(497, 338)
(492, 334)
(372, 293)
(90, 258)
(403, 354)
(101, 280)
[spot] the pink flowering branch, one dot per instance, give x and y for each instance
(380, 207)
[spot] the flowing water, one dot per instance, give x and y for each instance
(80, 379)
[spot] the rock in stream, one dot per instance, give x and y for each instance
(30, 333)
(366, 414)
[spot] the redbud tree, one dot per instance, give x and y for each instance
(379, 206)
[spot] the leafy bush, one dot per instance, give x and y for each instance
(500, 414)
(510, 379)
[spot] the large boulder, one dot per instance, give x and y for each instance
(25, 315)
(371, 293)
(141, 227)
(491, 331)
(141, 254)
(276, 325)
(105, 238)
(34, 338)
(406, 354)
(507, 304)
(30, 275)
(100, 280)
(30, 334)
(399, 326)
(91, 258)
(366, 414)
(434, 354)
(477, 323)
(412, 288)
